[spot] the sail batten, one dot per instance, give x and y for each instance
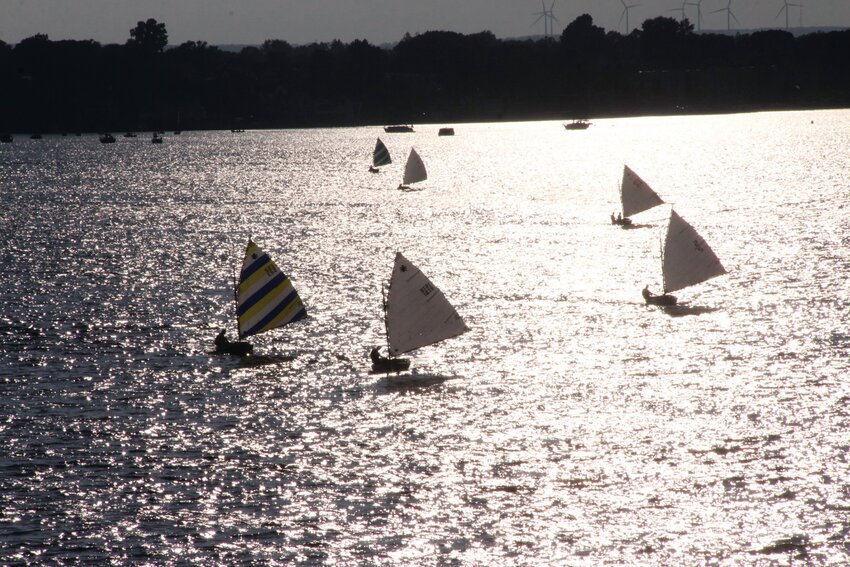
(265, 296)
(417, 312)
(381, 155)
(636, 194)
(414, 169)
(687, 259)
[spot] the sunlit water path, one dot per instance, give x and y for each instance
(575, 425)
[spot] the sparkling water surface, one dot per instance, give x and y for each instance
(572, 425)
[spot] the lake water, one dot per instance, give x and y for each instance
(572, 425)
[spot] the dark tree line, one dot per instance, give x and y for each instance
(663, 67)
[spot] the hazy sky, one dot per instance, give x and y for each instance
(378, 21)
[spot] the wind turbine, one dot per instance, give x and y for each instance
(625, 14)
(729, 14)
(786, 7)
(681, 11)
(548, 17)
(699, 13)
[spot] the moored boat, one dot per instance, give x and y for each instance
(398, 128)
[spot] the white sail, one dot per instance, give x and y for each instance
(414, 169)
(381, 155)
(687, 259)
(418, 314)
(636, 195)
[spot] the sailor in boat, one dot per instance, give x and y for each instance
(653, 299)
(224, 346)
(373, 169)
(221, 342)
(382, 363)
(620, 220)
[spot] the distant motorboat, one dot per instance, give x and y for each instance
(107, 138)
(156, 139)
(446, 132)
(35, 136)
(398, 128)
(578, 124)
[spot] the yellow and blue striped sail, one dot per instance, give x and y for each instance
(265, 298)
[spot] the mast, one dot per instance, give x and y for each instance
(236, 304)
(384, 306)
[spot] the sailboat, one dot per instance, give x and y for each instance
(380, 157)
(636, 196)
(416, 314)
(686, 260)
(414, 171)
(265, 300)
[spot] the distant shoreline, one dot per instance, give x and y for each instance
(664, 68)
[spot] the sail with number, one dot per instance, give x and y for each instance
(381, 155)
(414, 169)
(265, 297)
(636, 195)
(417, 313)
(687, 259)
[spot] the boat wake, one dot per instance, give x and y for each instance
(405, 381)
(634, 226)
(255, 360)
(685, 310)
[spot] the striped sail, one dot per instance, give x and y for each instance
(636, 195)
(687, 260)
(414, 169)
(418, 314)
(381, 155)
(265, 298)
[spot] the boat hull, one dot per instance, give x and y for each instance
(665, 299)
(388, 365)
(240, 348)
